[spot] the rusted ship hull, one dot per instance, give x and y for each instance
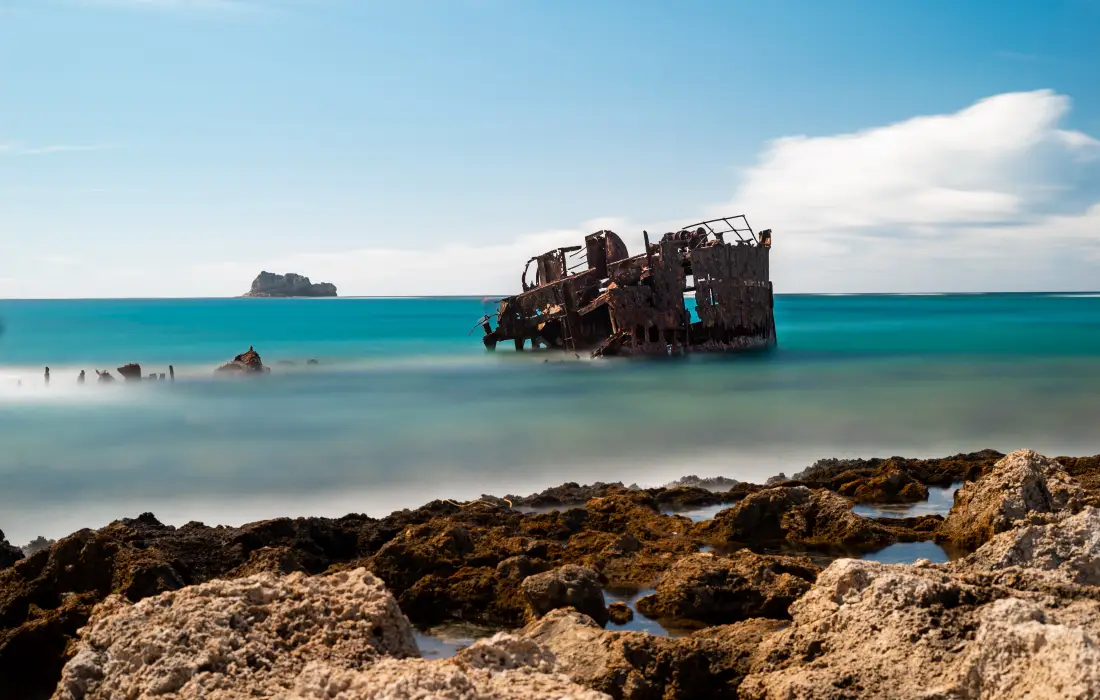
(599, 299)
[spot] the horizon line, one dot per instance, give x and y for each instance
(502, 296)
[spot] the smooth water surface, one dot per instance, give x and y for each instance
(405, 406)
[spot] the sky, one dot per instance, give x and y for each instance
(175, 148)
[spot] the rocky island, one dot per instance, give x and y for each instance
(776, 596)
(269, 284)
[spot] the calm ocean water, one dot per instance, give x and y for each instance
(405, 406)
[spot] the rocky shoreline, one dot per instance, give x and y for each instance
(769, 600)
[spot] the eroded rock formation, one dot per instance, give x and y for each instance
(1023, 486)
(252, 635)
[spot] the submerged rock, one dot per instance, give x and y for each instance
(250, 636)
(1022, 487)
(246, 362)
(718, 590)
(640, 666)
(269, 284)
(568, 586)
(9, 554)
(796, 514)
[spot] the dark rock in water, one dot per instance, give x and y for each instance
(620, 613)
(719, 590)
(775, 480)
(797, 515)
(269, 284)
(312, 362)
(9, 554)
(570, 586)
(246, 362)
(104, 376)
(888, 484)
(130, 372)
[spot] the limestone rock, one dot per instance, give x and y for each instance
(9, 554)
(795, 514)
(567, 586)
(639, 666)
(251, 635)
(269, 284)
(246, 362)
(870, 630)
(1067, 551)
(1023, 487)
(505, 667)
(717, 590)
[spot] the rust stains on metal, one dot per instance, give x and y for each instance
(599, 299)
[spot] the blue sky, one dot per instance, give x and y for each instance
(175, 147)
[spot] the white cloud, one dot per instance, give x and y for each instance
(987, 198)
(15, 148)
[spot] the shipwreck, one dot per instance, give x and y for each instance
(597, 298)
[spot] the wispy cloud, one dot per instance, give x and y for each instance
(216, 5)
(15, 148)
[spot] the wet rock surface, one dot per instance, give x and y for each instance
(1022, 487)
(716, 590)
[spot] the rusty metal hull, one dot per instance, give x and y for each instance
(609, 303)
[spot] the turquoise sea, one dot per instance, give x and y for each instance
(404, 406)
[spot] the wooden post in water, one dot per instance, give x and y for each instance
(172, 372)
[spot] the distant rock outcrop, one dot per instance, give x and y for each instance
(268, 284)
